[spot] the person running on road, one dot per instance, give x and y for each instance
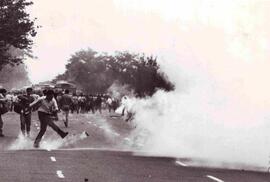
(25, 115)
(3, 101)
(65, 103)
(46, 107)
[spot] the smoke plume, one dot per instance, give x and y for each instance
(219, 110)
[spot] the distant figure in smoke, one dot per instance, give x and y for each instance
(109, 103)
(25, 114)
(3, 108)
(126, 104)
(65, 103)
(124, 101)
(46, 108)
(115, 104)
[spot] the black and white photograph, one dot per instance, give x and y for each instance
(134, 91)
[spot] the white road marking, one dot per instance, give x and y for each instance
(60, 174)
(53, 159)
(181, 163)
(214, 178)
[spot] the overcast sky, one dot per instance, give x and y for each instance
(220, 36)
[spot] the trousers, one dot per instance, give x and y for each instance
(25, 123)
(45, 120)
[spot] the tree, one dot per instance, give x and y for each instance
(16, 31)
(95, 73)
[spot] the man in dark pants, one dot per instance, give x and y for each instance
(46, 107)
(25, 115)
(3, 101)
(65, 103)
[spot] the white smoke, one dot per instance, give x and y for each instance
(219, 110)
(48, 143)
(117, 90)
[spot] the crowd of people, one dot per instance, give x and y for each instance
(48, 105)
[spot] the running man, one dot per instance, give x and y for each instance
(65, 103)
(3, 101)
(46, 108)
(25, 115)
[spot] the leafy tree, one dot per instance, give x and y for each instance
(95, 73)
(16, 31)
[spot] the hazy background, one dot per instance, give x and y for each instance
(215, 52)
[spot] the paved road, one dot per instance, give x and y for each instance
(99, 157)
(97, 165)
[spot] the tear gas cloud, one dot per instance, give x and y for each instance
(219, 63)
(117, 90)
(49, 143)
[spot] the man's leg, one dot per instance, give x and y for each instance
(67, 114)
(57, 129)
(43, 126)
(1, 126)
(123, 111)
(23, 120)
(28, 123)
(66, 118)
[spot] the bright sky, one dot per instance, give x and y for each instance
(221, 36)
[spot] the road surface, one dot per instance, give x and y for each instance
(103, 156)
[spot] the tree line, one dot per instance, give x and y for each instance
(95, 72)
(16, 31)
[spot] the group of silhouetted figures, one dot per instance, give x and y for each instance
(48, 105)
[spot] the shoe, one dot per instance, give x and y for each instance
(36, 145)
(64, 135)
(2, 135)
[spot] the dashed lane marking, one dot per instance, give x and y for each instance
(60, 174)
(53, 159)
(180, 163)
(214, 178)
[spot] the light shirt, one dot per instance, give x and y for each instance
(45, 105)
